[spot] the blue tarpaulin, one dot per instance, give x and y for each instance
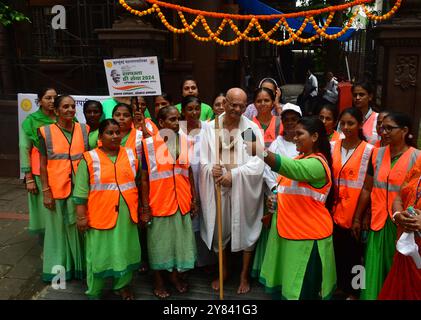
(257, 7)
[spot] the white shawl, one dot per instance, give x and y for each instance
(246, 193)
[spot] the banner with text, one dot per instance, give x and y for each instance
(133, 77)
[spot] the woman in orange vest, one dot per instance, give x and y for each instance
(362, 98)
(351, 157)
(385, 175)
(329, 116)
(404, 279)
(132, 138)
(299, 262)
(106, 198)
(140, 121)
(168, 202)
(30, 157)
(61, 146)
(270, 125)
(382, 114)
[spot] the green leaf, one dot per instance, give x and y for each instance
(8, 15)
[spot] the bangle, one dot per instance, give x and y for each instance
(394, 215)
(29, 181)
(46, 189)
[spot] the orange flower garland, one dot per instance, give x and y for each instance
(254, 22)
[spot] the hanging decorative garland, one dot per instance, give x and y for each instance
(228, 19)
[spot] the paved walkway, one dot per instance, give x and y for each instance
(20, 252)
(21, 264)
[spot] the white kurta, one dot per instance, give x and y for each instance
(242, 204)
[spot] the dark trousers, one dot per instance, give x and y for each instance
(348, 253)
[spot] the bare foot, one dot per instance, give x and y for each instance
(161, 293)
(180, 285)
(215, 283)
(125, 293)
(244, 285)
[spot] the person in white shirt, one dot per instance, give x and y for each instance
(309, 94)
(330, 91)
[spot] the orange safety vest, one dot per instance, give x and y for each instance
(134, 142)
(387, 182)
(169, 184)
(107, 180)
(336, 136)
(63, 157)
(302, 214)
(151, 127)
(274, 129)
(35, 161)
(369, 128)
(349, 180)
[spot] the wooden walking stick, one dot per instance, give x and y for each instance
(219, 216)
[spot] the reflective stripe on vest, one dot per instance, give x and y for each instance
(384, 185)
(98, 186)
(138, 143)
(391, 178)
(64, 156)
(109, 181)
(302, 214)
(369, 128)
(152, 158)
(359, 183)
(169, 184)
(149, 127)
(154, 174)
(349, 177)
(134, 142)
(295, 190)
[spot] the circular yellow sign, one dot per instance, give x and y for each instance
(109, 64)
(26, 105)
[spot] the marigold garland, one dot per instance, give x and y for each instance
(254, 22)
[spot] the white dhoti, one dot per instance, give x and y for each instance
(242, 204)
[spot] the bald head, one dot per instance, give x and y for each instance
(235, 104)
(237, 94)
